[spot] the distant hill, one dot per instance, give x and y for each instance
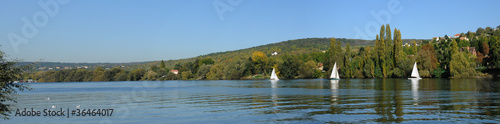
(297, 46)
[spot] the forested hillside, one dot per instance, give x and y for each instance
(290, 47)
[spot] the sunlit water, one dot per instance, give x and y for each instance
(263, 101)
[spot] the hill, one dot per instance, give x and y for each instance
(293, 47)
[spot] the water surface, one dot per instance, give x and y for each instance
(263, 101)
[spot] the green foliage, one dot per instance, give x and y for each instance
(9, 74)
(186, 75)
(235, 69)
(260, 60)
(461, 66)
(150, 75)
(204, 69)
(216, 72)
(290, 67)
(386, 57)
(308, 70)
(206, 61)
(162, 64)
(495, 51)
(136, 75)
(427, 60)
(333, 55)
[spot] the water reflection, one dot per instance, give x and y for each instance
(414, 90)
(334, 84)
(284, 101)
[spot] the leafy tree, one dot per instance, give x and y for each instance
(414, 48)
(171, 76)
(333, 55)
(216, 72)
(290, 67)
(494, 51)
(121, 76)
(206, 61)
(485, 48)
(369, 66)
(204, 69)
(98, 74)
(398, 48)
(461, 66)
(150, 75)
(347, 71)
(136, 75)
(427, 60)
(162, 64)
(186, 75)
(308, 70)
(259, 59)
(235, 69)
(9, 73)
(154, 68)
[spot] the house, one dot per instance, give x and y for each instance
(319, 66)
(175, 71)
(274, 53)
(456, 35)
(471, 50)
(406, 44)
(435, 39)
(464, 38)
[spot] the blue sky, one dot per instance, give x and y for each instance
(134, 31)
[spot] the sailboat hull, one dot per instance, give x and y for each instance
(334, 78)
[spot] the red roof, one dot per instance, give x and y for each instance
(457, 35)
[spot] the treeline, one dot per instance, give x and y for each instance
(387, 58)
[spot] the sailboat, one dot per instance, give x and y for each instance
(414, 73)
(274, 76)
(335, 73)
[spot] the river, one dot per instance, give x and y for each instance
(263, 101)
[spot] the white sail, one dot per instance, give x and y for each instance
(335, 73)
(414, 73)
(274, 76)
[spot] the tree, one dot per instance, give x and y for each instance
(485, 48)
(347, 71)
(216, 72)
(98, 74)
(235, 69)
(427, 60)
(136, 74)
(186, 75)
(334, 55)
(154, 68)
(150, 75)
(9, 73)
(162, 64)
(369, 66)
(380, 69)
(290, 67)
(308, 69)
(461, 64)
(259, 59)
(414, 48)
(206, 61)
(204, 69)
(398, 48)
(494, 51)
